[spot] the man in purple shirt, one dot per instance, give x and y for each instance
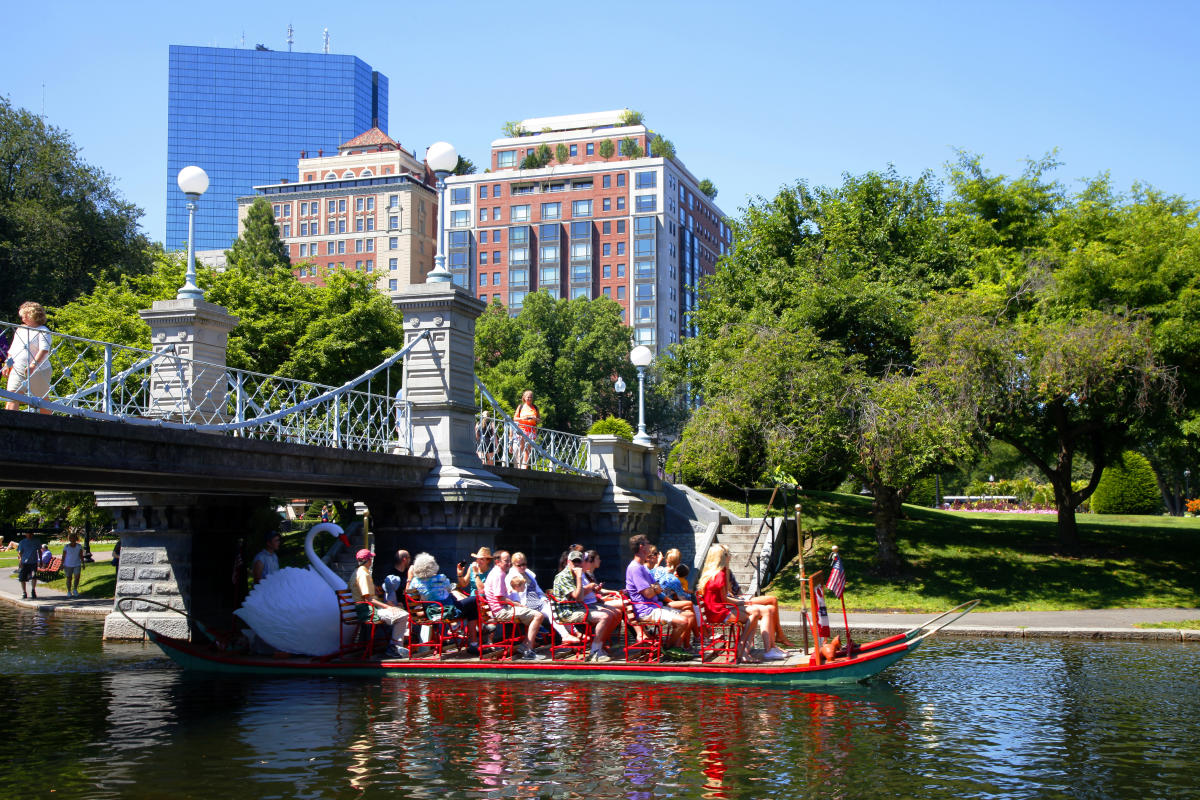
(644, 592)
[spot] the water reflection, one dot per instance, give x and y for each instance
(1006, 719)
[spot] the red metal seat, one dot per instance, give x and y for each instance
(352, 632)
(497, 636)
(647, 645)
(564, 612)
(719, 640)
(431, 615)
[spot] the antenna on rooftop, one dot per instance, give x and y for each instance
(327, 41)
(291, 38)
(243, 37)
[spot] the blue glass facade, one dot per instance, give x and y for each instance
(244, 116)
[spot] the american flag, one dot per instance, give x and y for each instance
(837, 577)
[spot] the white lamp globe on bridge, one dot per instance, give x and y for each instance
(192, 180)
(441, 157)
(641, 358)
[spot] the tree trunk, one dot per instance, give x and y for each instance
(886, 508)
(1068, 531)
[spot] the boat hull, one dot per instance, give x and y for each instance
(869, 662)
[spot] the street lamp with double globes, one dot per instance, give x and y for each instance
(641, 358)
(442, 159)
(193, 182)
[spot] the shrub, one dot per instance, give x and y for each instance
(562, 153)
(612, 426)
(1193, 506)
(1127, 487)
(607, 148)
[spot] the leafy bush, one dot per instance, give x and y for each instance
(1128, 487)
(562, 153)
(922, 492)
(607, 148)
(612, 426)
(631, 149)
(1193, 506)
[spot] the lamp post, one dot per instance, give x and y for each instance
(1187, 484)
(193, 182)
(442, 159)
(619, 388)
(641, 358)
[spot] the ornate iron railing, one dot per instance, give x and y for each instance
(499, 440)
(101, 380)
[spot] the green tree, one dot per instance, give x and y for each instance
(63, 225)
(259, 247)
(631, 117)
(606, 149)
(631, 149)
(708, 188)
(562, 153)
(538, 158)
(513, 129)
(465, 166)
(1128, 487)
(662, 148)
(565, 351)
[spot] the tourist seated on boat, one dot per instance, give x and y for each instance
(769, 603)
(394, 582)
(673, 571)
(471, 576)
(643, 592)
(495, 589)
(665, 577)
(574, 584)
(562, 560)
(371, 609)
(523, 590)
(428, 583)
(713, 590)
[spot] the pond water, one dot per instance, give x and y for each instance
(960, 718)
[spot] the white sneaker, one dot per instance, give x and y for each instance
(774, 654)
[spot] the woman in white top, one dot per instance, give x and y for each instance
(28, 364)
(72, 559)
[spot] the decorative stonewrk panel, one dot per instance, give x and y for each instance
(197, 332)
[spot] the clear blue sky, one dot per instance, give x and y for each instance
(754, 95)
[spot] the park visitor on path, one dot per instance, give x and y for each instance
(27, 552)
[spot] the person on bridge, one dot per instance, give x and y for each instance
(267, 561)
(370, 608)
(527, 418)
(27, 555)
(28, 365)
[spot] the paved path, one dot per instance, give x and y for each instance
(52, 601)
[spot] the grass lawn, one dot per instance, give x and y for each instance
(99, 580)
(1006, 560)
(1189, 624)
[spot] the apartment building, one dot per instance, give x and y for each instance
(601, 219)
(370, 207)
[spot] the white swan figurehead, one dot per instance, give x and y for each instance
(296, 610)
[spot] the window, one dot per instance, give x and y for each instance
(591, 148)
(496, 190)
(287, 229)
(620, 292)
(581, 292)
(548, 275)
(341, 206)
(643, 226)
(551, 210)
(483, 276)
(393, 242)
(516, 190)
(370, 245)
(482, 192)
(620, 204)
(581, 250)
(341, 226)
(483, 215)
(643, 247)
(606, 181)
(359, 204)
(645, 335)
(620, 248)
(580, 230)
(303, 209)
(646, 203)
(495, 278)
(341, 246)
(607, 270)
(518, 255)
(370, 265)
(620, 226)
(506, 158)
(645, 180)
(359, 224)
(578, 186)
(483, 258)
(459, 219)
(393, 263)
(460, 195)
(581, 274)
(303, 250)
(370, 204)
(393, 222)
(606, 227)
(574, 150)
(620, 270)
(496, 257)
(358, 245)
(556, 187)
(581, 208)
(358, 266)
(516, 299)
(391, 284)
(518, 214)
(518, 277)
(645, 314)
(483, 237)
(496, 213)
(643, 269)
(620, 179)
(332, 226)
(330, 248)
(644, 291)
(607, 290)
(496, 235)
(606, 249)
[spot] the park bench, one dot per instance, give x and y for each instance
(51, 570)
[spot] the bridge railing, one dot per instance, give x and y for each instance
(499, 440)
(102, 380)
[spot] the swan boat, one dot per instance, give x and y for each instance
(311, 595)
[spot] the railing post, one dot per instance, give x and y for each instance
(108, 390)
(337, 420)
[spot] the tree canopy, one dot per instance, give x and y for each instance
(63, 225)
(259, 246)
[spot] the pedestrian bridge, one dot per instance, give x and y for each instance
(187, 452)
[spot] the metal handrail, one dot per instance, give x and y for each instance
(508, 445)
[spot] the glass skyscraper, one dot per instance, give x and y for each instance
(244, 116)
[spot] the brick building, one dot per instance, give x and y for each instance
(633, 228)
(370, 207)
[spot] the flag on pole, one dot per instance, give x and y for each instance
(837, 577)
(822, 613)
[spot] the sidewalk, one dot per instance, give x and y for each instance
(50, 601)
(1104, 623)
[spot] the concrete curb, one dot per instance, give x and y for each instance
(61, 605)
